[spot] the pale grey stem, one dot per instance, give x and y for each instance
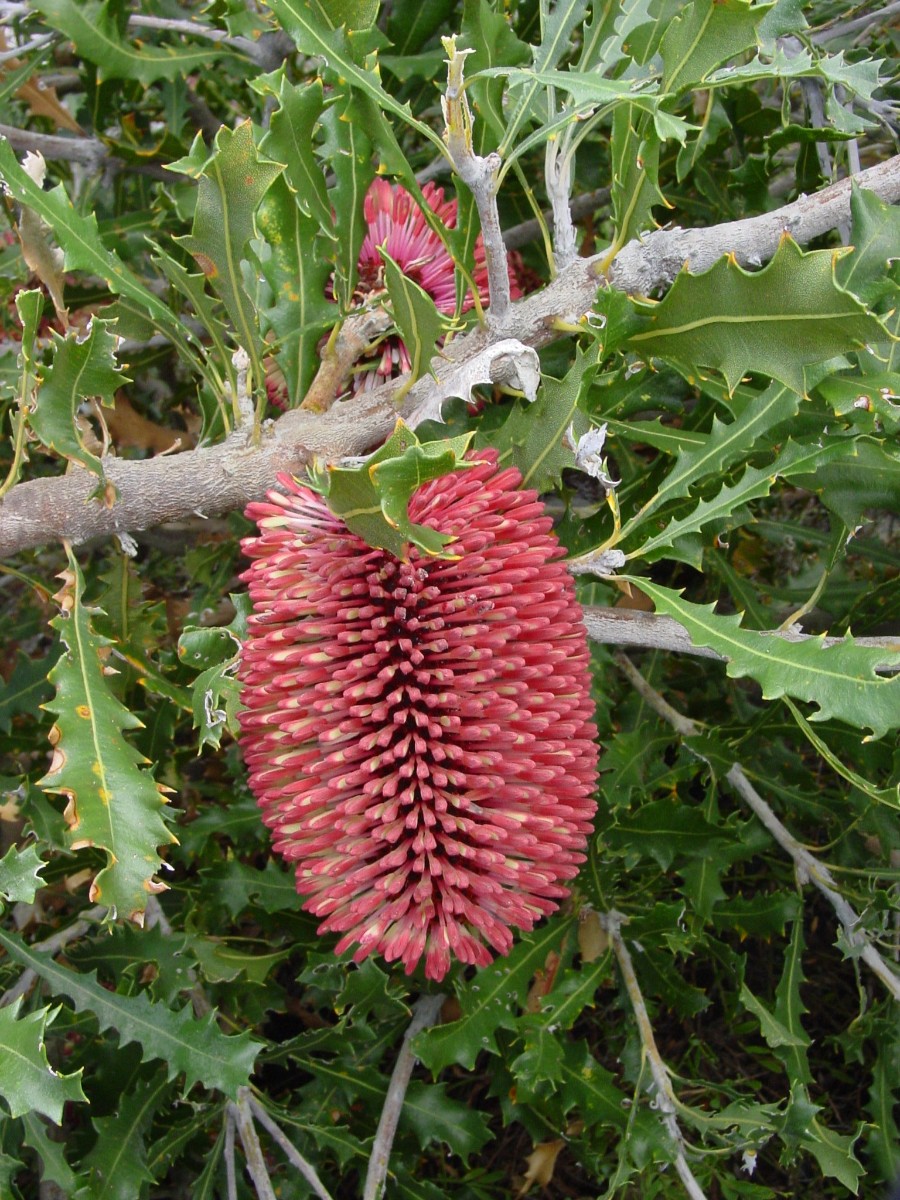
(649, 631)
(90, 152)
(479, 174)
(292, 1154)
(37, 43)
(664, 1098)
(256, 1163)
(256, 52)
(809, 869)
(230, 1180)
(558, 181)
(839, 29)
(53, 945)
(426, 1011)
(580, 206)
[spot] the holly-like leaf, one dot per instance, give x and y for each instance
(214, 652)
(776, 1034)
(20, 874)
(777, 321)
(437, 1117)
(196, 1048)
(853, 484)
(232, 184)
(534, 438)
(490, 1000)
(841, 679)
(416, 316)
(876, 242)
(112, 801)
(54, 1167)
(26, 688)
(373, 499)
(81, 369)
(704, 35)
(94, 29)
(27, 1081)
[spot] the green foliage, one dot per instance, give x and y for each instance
(208, 197)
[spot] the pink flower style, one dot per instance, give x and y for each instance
(419, 734)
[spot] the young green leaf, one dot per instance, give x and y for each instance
(416, 316)
(27, 1081)
(112, 802)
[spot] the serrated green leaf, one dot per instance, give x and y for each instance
(437, 1117)
(26, 688)
(590, 1088)
(884, 1144)
(416, 316)
(841, 679)
(789, 1008)
(634, 188)
(888, 795)
(373, 499)
(93, 28)
(112, 802)
(488, 1001)
(232, 185)
(851, 486)
(54, 1167)
(118, 1161)
(196, 1048)
(776, 321)
(81, 370)
(664, 829)
(721, 448)
(313, 33)
(80, 240)
(834, 1154)
(20, 874)
(239, 886)
(348, 150)
(793, 462)
(706, 34)
(27, 1081)
(875, 235)
(533, 437)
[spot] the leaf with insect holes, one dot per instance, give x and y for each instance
(113, 802)
(82, 369)
(196, 1048)
(232, 184)
(27, 1081)
(20, 874)
(776, 321)
(841, 679)
(373, 498)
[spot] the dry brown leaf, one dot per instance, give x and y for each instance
(129, 428)
(541, 1165)
(42, 100)
(593, 940)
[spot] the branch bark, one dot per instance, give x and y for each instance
(217, 479)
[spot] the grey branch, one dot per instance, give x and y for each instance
(664, 1095)
(647, 631)
(91, 152)
(217, 479)
(426, 1011)
(242, 1118)
(808, 868)
(292, 1154)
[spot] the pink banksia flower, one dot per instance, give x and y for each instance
(395, 221)
(419, 733)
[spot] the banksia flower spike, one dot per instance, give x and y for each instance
(394, 221)
(419, 733)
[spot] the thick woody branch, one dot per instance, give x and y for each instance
(647, 631)
(213, 480)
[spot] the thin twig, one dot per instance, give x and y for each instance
(53, 945)
(342, 352)
(558, 182)
(665, 1099)
(838, 29)
(291, 1152)
(230, 1180)
(91, 152)
(478, 174)
(649, 631)
(256, 1163)
(425, 1012)
(809, 869)
(580, 206)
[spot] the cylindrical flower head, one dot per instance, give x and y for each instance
(419, 734)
